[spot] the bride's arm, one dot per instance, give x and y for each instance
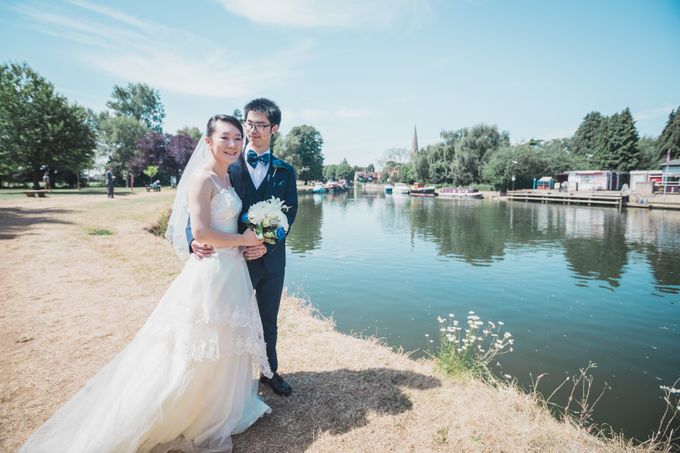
(199, 194)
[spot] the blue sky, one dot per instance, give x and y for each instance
(364, 72)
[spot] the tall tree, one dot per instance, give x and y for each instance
(618, 148)
(39, 128)
(118, 138)
(139, 101)
(180, 147)
(589, 134)
(329, 172)
(670, 136)
(151, 150)
(649, 153)
(473, 149)
(344, 171)
(193, 132)
(302, 148)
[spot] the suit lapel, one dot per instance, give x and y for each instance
(269, 180)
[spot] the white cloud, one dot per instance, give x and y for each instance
(327, 13)
(164, 57)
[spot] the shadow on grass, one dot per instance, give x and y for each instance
(15, 220)
(335, 401)
(101, 191)
(9, 194)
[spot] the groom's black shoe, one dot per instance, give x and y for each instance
(277, 384)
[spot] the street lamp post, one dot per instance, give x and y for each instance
(588, 162)
(514, 162)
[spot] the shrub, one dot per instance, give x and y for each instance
(161, 224)
(472, 348)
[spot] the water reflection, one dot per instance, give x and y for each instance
(596, 242)
(600, 252)
(305, 235)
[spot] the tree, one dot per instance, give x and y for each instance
(152, 149)
(421, 165)
(527, 162)
(237, 114)
(38, 128)
(669, 140)
(139, 101)
(301, 147)
(397, 155)
(344, 171)
(151, 171)
(407, 173)
(472, 147)
(118, 138)
(329, 172)
(180, 147)
(370, 168)
(193, 132)
(588, 136)
(617, 148)
(649, 153)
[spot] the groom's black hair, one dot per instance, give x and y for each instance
(210, 128)
(265, 106)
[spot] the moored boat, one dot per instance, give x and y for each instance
(401, 189)
(319, 188)
(420, 190)
(388, 189)
(461, 193)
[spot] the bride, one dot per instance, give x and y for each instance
(185, 382)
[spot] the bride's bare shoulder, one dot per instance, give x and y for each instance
(199, 180)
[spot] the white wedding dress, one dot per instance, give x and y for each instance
(186, 381)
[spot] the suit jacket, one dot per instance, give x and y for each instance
(280, 182)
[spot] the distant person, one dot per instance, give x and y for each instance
(156, 185)
(109, 182)
(46, 181)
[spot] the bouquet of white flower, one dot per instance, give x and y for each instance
(268, 220)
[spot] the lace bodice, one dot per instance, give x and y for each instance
(225, 208)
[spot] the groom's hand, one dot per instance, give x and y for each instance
(254, 252)
(201, 250)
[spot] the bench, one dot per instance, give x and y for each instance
(36, 193)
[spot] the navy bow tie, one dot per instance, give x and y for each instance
(253, 158)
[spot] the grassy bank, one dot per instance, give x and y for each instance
(72, 299)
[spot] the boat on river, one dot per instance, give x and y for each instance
(460, 193)
(319, 188)
(401, 189)
(388, 189)
(420, 190)
(336, 186)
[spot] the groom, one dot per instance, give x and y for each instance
(258, 176)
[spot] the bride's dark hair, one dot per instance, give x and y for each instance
(227, 119)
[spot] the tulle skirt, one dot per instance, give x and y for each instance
(186, 381)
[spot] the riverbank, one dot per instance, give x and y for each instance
(81, 275)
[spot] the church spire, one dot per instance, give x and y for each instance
(414, 145)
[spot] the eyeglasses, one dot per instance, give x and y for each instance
(258, 127)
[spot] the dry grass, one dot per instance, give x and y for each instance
(71, 300)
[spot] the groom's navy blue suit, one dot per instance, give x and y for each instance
(266, 273)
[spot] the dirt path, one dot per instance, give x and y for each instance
(71, 300)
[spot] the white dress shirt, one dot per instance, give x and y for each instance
(257, 174)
